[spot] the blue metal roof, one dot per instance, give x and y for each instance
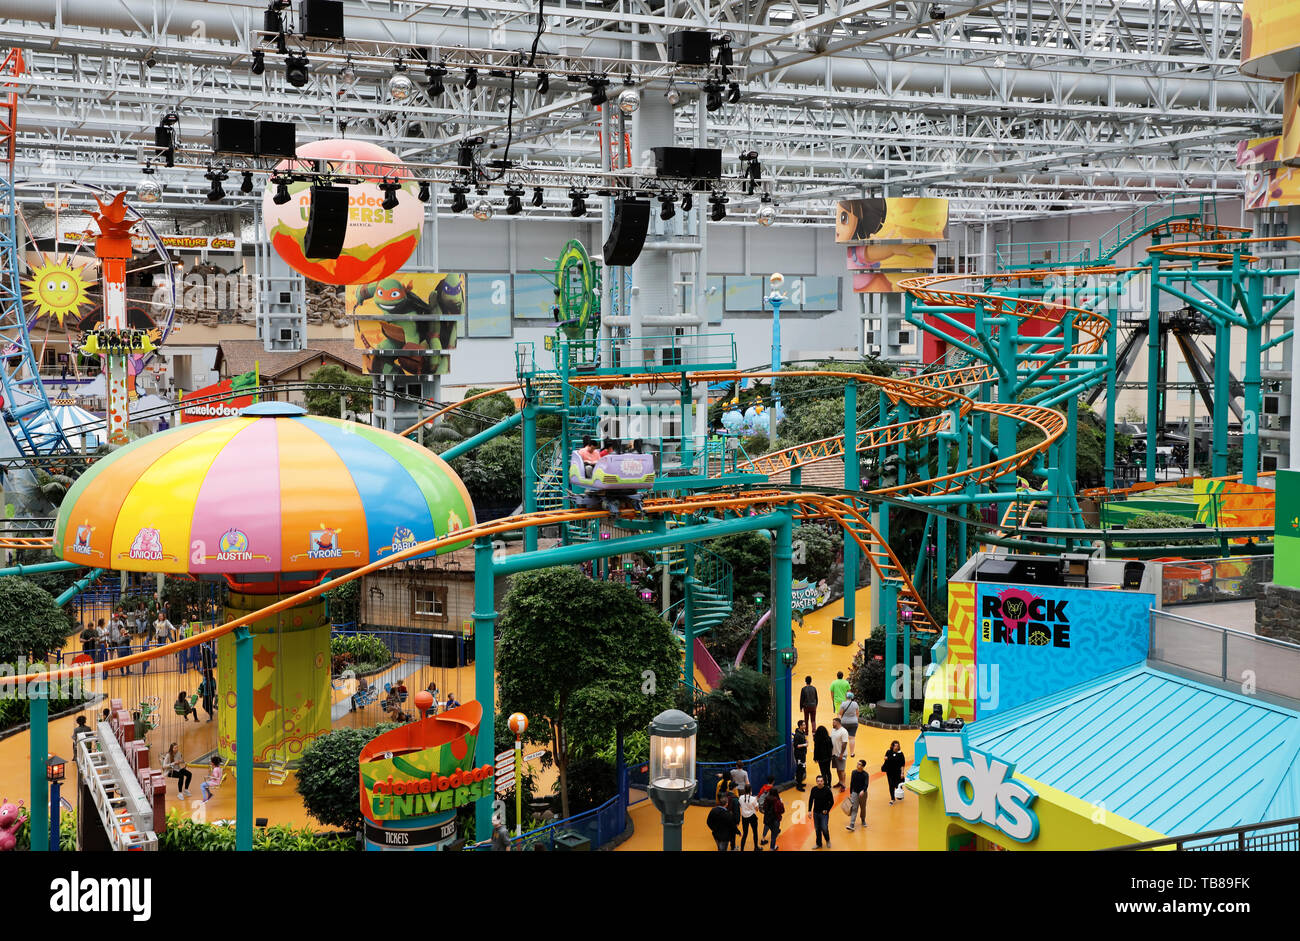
(1169, 753)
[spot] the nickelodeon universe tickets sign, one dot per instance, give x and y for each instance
(979, 788)
(424, 771)
(1042, 639)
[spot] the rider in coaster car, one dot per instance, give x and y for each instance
(589, 455)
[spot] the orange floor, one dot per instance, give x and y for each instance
(888, 827)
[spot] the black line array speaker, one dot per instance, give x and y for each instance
(321, 19)
(688, 163)
(276, 139)
(233, 136)
(627, 235)
(689, 47)
(327, 222)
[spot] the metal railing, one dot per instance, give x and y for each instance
(1270, 836)
(776, 762)
(1042, 254)
(1233, 579)
(1224, 655)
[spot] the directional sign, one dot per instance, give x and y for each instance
(534, 755)
(505, 783)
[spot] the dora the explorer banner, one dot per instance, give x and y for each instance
(892, 217)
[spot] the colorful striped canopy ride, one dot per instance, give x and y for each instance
(273, 490)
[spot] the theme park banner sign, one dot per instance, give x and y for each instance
(1267, 186)
(1286, 530)
(214, 408)
(807, 596)
(893, 217)
(175, 243)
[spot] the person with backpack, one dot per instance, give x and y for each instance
(808, 702)
(849, 715)
(773, 811)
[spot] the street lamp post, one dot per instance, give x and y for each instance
(672, 771)
(55, 768)
(518, 723)
(776, 298)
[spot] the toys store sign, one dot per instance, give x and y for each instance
(398, 799)
(979, 788)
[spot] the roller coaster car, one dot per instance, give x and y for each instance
(616, 480)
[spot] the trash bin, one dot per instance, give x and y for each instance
(571, 842)
(842, 631)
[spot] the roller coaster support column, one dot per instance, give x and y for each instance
(38, 712)
(1112, 336)
(852, 481)
(1008, 428)
(1222, 383)
(485, 620)
(530, 471)
(1250, 415)
(1153, 366)
(243, 739)
(782, 632)
(688, 615)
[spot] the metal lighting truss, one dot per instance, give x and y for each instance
(1011, 109)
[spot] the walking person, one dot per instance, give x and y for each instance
(895, 762)
(739, 776)
(848, 712)
(733, 808)
(748, 818)
(104, 641)
(820, 800)
(823, 750)
(90, 642)
(773, 811)
(808, 702)
(839, 689)
(207, 693)
(858, 795)
(164, 633)
(719, 824)
(800, 743)
(174, 764)
(839, 749)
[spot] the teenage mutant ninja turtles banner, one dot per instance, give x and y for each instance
(407, 323)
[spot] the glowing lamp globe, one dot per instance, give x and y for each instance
(377, 242)
(518, 723)
(776, 280)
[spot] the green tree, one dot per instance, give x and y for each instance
(345, 603)
(750, 558)
(31, 624)
(329, 775)
(573, 655)
(492, 472)
(323, 400)
(819, 550)
(736, 718)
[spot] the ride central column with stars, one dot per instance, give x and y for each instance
(113, 249)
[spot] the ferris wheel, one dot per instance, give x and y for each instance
(62, 292)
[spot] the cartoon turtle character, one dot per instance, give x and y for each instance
(394, 298)
(451, 295)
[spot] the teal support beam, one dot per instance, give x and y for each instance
(688, 616)
(852, 481)
(469, 444)
(485, 620)
(529, 419)
(243, 739)
(1153, 366)
(782, 630)
(78, 587)
(1250, 412)
(1222, 387)
(39, 567)
(38, 714)
(1112, 354)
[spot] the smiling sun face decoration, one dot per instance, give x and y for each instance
(57, 289)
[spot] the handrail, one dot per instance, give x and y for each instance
(1180, 842)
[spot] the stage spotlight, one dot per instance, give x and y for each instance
(471, 79)
(436, 85)
(579, 207)
(538, 198)
(712, 96)
(673, 94)
(666, 209)
(733, 93)
(458, 201)
(246, 186)
(170, 118)
(349, 72)
(937, 12)
(514, 205)
(687, 201)
(389, 188)
(597, 85)
(717, 207)
(217, 192)
(281, 190)
(259, 62)
(296, 70)
(543, 83)
(423, 193)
